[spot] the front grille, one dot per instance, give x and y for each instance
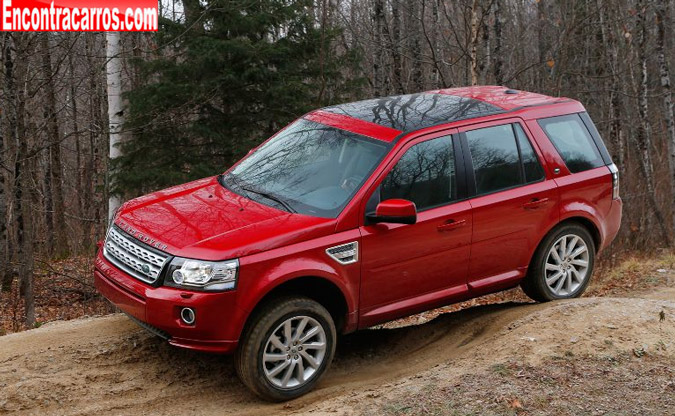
(130, 256)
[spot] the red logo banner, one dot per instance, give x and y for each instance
(79, 15)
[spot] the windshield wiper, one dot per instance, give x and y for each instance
(237, 182)
(273, 198)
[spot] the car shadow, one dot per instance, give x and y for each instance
(360, 357)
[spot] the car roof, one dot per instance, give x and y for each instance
(388, 117)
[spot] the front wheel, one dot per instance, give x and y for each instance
(289, 345)
(562, 265)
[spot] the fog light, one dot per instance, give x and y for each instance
(187, 315)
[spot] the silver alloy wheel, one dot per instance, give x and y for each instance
(566, 266)
(294, 352)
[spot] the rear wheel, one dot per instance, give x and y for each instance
(562, 265)
(287, 348)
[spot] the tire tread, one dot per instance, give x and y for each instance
(533, 285)
(245, 359)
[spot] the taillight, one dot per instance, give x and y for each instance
(615, 181)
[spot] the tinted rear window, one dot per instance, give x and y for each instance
(573, 141)
(495, 158)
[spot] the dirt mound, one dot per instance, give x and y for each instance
(109, 366)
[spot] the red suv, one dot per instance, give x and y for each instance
(361, 213)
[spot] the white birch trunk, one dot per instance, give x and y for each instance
(473, 43)
(115, 108)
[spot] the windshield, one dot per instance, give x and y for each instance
(307, 168)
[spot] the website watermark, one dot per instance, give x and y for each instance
(79, 16)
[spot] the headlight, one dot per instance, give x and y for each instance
(202, 275)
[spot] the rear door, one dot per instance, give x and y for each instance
(513, 203)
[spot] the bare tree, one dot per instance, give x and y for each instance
(115, 107)
(473, 42)
(666, 90)
(498, 57)
(644, 136)
(55, 215)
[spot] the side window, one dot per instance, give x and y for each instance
(425, 175)
(495, 157)
(571, 138)
(533, 169)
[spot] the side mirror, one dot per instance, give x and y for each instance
(396, 211)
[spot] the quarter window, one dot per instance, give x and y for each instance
(425, 175)
(571, 138)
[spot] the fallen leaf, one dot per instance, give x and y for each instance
(515, 404)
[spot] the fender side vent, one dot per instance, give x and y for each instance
(345, 253)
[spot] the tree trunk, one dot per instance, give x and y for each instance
(3, 214)
(667, 92)
(473, 43)
(26, 237)
(322, 51)
(432, 41)
(486, 62)
(396, 46)
(498, 58)
(644, 137)
(78, 143)
(56, 217)
(10, 139)
(92, 126)
(611, 48)
(16, 68)
(115, 111)
(415, 46)
(193, 12)
(378, 64)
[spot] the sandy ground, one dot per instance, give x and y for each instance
(486, 359)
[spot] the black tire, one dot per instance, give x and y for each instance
(534, 285)
(248, 359)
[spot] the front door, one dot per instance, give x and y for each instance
(407, 268)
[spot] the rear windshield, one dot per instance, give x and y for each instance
(573, 141)
(308, 168)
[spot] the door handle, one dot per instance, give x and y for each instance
(535, 203)
(450, 225)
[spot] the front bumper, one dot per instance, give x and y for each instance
(157, 309)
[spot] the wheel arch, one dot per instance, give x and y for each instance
(322, 290)
(588, 223)
(584, 221)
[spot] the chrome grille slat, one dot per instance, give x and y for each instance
(131, 257)
(137, 251)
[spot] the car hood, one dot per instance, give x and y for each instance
(204, 220)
